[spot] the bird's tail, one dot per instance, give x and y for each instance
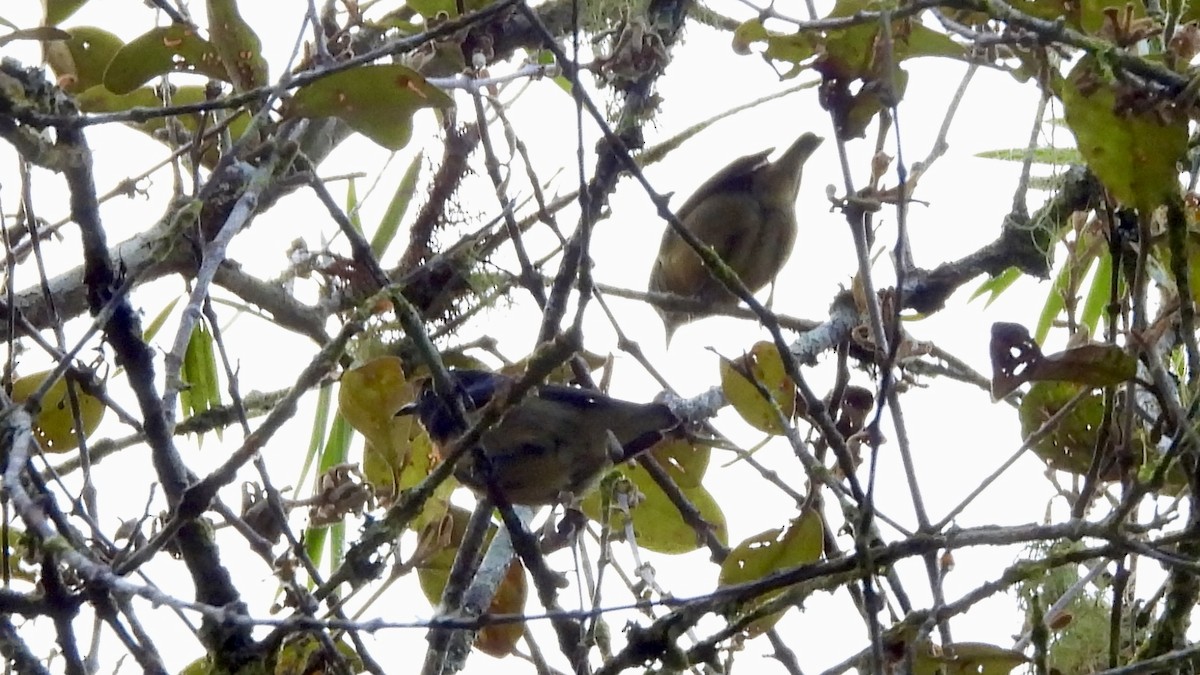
(642, 427)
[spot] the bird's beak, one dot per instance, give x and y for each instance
(409, 408)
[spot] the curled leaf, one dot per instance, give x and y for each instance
(376, 100)
(80, 61)
(175, 48)
(237, 45)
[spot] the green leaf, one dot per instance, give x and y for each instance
(1090, 16)
(1132, 148)
(968, 658)
(376, 100)
(995, 286)
(320, 427)
(40, 33)
(845, 53)
(199, 373)
(237, 45)
(79, 63)
(795, 48)
(545, 57)
(100, 99)
(1069, 446)
(1094, 365)
(158, 321)
(337, 544)
(390, 223)
(201, 666)
(301, 653)
(352, 204)
(1049, 156)
(449, 8)
(58, 11)
(20, 545)
(865, 105)
(336, 450)
(1098, 294)
(174, 48)
(1193, 254)
(850, 53)
(923, 41)
(1087, 249)
(1047, 183)
(1055, 301)
(398, 19)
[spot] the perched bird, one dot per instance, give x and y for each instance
(554, 441)
(747, 214)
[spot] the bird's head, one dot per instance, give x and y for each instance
(475, 387)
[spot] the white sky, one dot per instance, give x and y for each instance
(958, 436)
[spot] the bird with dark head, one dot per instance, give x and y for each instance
(747, 214)
(553, 442)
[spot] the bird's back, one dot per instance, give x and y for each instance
(554, 441)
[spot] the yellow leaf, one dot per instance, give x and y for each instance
(54, 424)
(762, 363)
(801, 542)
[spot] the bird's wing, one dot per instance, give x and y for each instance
(721, 221)
(732, 176)
(677, 268)
(479, 385)
(626, 419)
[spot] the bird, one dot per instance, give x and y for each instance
(747, 213)
(554, 442)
